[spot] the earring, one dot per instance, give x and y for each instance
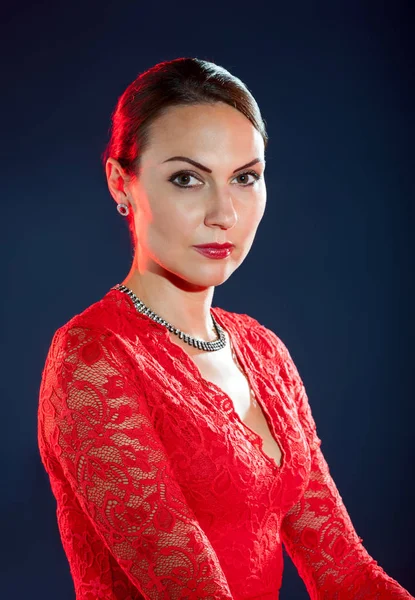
(123, 209)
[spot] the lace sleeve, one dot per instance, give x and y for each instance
(318, 533)
(99, 429)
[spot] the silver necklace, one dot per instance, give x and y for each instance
(200, 344)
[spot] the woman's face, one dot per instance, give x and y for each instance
(178, 205)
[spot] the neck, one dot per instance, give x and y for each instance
(186, 308)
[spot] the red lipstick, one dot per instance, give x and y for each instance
(215, 250)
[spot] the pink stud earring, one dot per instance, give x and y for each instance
(123, 209)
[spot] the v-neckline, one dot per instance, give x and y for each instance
(192, 366)
(252, 384)
(213, 386)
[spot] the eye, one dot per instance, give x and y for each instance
(254, 174)
(185, 175)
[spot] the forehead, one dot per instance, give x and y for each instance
(206, 129)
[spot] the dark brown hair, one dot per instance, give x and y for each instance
(182, 81)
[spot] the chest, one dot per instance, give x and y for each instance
(226, 375)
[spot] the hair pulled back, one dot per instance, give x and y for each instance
(182, 81)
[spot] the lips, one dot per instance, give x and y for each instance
(216, 246)
(215, 253)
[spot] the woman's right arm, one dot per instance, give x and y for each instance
(98, 427)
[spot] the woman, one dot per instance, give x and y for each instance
(178, 437)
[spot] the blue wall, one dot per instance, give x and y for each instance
(331, 269)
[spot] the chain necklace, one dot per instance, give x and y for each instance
(200, 344)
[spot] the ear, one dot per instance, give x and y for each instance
(117, 180)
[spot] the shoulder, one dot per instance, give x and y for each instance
(254, 333)
(262, 344)
(100, 323)
(265, 350)
(99, 314)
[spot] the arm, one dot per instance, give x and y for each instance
(99, 429)
(319, 535)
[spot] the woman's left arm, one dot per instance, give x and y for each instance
(318, 533)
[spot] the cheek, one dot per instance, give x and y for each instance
(181, 219)
(171, 227)
(259, 213)
(166, 215)
(255, 214)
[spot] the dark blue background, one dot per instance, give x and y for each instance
(330, 271)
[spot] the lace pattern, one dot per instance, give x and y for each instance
(163, 492)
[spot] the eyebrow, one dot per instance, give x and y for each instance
(196, 164)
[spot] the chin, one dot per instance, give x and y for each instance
(212, 279)
(198, 281)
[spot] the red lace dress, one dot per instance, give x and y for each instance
(163, 492)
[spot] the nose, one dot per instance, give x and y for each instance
(221, 210)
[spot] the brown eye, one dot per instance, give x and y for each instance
(183, 177)
(245, 175)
